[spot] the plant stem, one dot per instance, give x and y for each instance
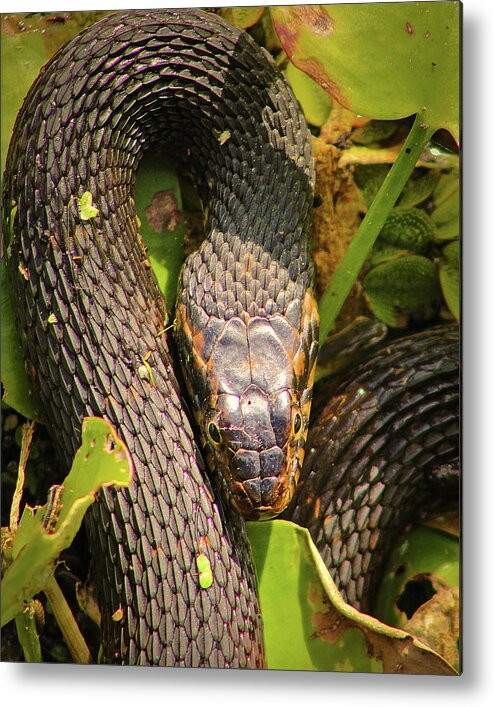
(67, 623)
(338, 289)
(27, 437)
(27, 634)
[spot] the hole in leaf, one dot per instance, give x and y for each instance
(416, 592)
(110, 443)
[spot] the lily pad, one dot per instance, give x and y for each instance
(313, 628)
(314, 101)
(102, 460)
(381, 60)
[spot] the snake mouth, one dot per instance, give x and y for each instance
(262, 498)
(261, 483)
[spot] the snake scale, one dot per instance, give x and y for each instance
(90, 311)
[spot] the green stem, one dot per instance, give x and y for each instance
(338, 289)
(67, 623)
(27, 634)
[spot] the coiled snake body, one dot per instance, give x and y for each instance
(246, 322)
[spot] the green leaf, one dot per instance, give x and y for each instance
(419, 187)
(313, 628)
(314, 101)
(242, 17)
(21, 61)
(409, 228)
(381, 60)
(385, 253)
(28, 635)
(449, 277)
(446, 214)
(403, 290)
(18, 390)
(205, 573)
(85, 206)
(159, 208)
(374, 131)
(102, 460)
(422, 552)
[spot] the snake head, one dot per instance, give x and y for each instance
(256, 439)
(250, 380)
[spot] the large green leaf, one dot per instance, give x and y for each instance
(314, 101)
(382, 60)
(308, 626)
(420, 589)
(424, 551)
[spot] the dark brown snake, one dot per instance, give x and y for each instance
(89, 312)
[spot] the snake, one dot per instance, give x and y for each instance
(218, 433)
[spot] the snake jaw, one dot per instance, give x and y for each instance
(243, 495)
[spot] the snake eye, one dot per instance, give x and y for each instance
(214, 433)
(297, 423)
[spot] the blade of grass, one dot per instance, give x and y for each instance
(337, 291)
